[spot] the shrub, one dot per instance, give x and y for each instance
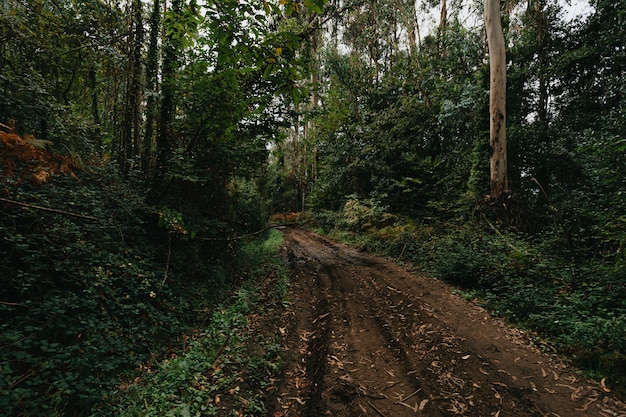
(83, 301)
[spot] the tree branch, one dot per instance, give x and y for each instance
(50, 210)
(228, 239)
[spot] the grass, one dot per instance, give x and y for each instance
(227, 367)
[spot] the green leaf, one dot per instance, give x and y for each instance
(268, 71)
(296, 95)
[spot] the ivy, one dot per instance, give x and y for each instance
(84, 302)
(227, 365)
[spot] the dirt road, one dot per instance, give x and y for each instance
(367, 338)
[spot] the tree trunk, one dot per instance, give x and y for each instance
(93, 85)
(136, 81)
(165, 140)
(152, 70)
(497, 98)
(129, 145)
(443, 21)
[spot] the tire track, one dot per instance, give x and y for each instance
(365, 337)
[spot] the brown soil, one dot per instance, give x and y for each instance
(366, 337)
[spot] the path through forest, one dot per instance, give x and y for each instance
(368, 338)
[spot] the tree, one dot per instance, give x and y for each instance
(129, 145)
(152, 69)
(171, 60)
(497, 99)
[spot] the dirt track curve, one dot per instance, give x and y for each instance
(368, 338)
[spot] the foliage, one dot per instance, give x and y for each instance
(94, 282)
(226, 365)
(80, 304)
(30, 158)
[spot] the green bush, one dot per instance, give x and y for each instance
(83, 301)
(225, 361)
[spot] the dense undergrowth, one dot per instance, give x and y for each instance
(575, 305)
(228, 366)
(94, 282)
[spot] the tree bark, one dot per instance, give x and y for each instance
(443, 22)
(497, 98)
(152, 71)
(165, 140)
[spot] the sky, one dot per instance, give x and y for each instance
(577, 8)
(428, 20)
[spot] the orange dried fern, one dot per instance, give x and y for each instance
(38, 163)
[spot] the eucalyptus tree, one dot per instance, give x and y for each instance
(497, 99)
(371, 30)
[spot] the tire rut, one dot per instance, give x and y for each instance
(365, 337)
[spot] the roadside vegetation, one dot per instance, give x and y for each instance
(99, 287)
(227, 367)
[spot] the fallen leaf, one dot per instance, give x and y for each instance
(410, 407)
(603, 385)
(466, 357)
(323, 316)
(423, 404)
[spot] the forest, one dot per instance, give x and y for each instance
(150, 147)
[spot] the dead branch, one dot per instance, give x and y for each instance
(380, 413)
(50, 210)
(228, 239)
(6, 303)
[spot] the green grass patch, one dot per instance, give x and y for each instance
(227, 367)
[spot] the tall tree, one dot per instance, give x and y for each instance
(497, 99)
(171, 58)
(131, 125)
(152, 69)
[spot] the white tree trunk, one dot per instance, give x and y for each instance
(497, 98)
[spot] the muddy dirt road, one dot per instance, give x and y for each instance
(367, 338)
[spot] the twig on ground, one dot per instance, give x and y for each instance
(412, 395)
(380, 413)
